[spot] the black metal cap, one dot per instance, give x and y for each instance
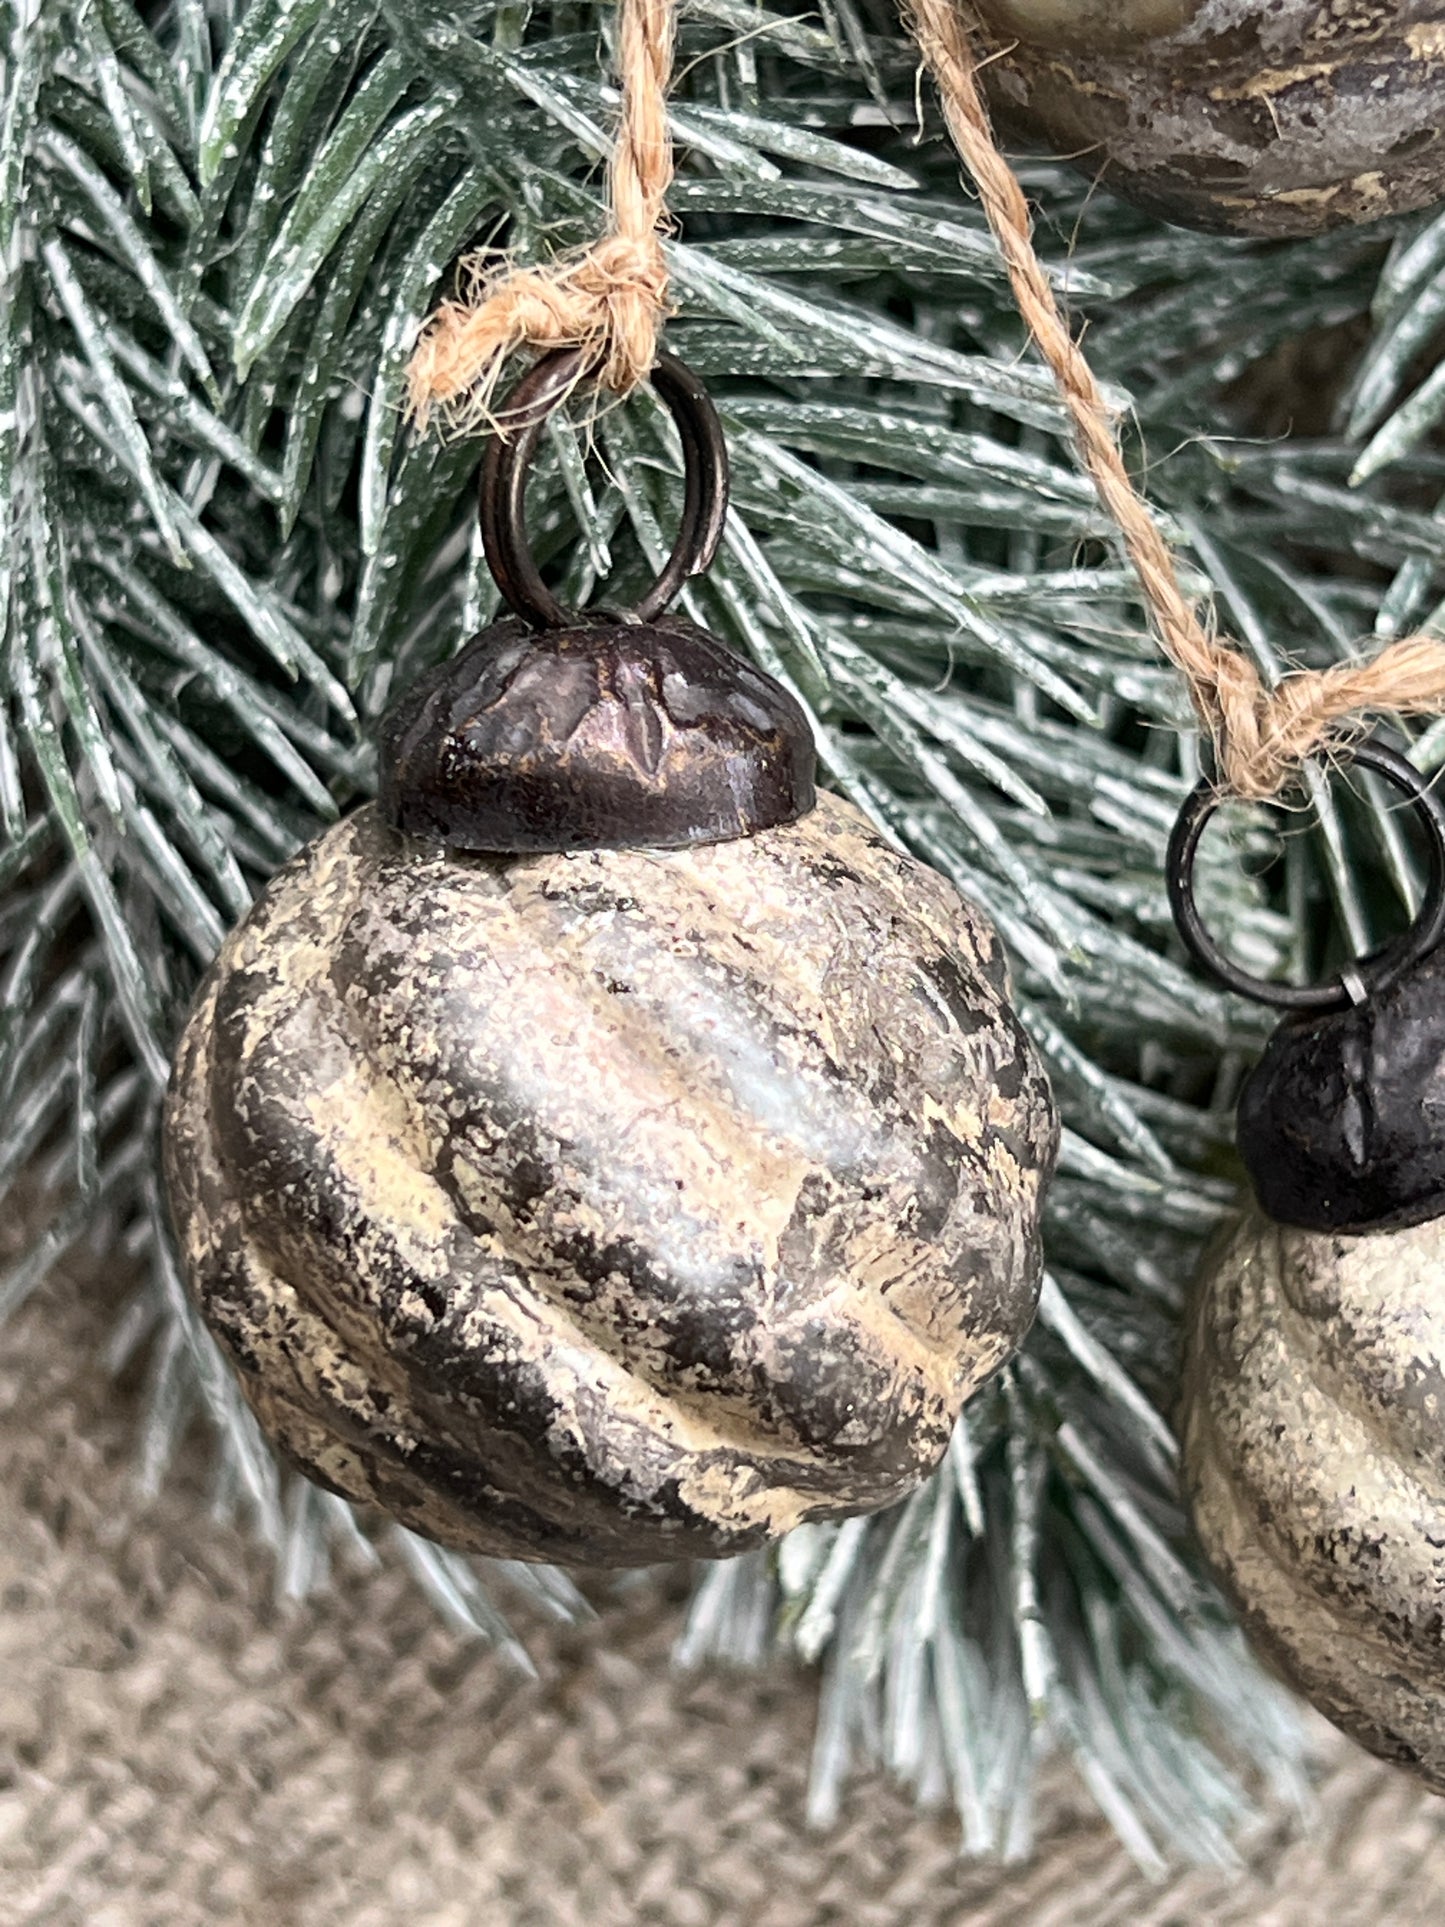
(557, 731)
(1341, 1124)
(1342, 1121)
(600, 735)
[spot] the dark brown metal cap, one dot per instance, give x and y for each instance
(556, 731)
(600, 735)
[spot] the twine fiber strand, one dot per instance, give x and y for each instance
(612, 297)
(1260, 735)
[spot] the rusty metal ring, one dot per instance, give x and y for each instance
(509, 460)
(1356, 980)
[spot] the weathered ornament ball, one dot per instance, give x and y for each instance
(606, 1147)
(1266, 117)
(1314, 1457)
(615, 1206)
(1314, 1374)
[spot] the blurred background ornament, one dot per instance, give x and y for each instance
(1266, 117)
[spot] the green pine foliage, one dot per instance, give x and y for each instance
(221, 225)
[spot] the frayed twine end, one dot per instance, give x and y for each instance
(612, 298)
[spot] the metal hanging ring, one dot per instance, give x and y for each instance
(1372, 974)
(509, 459)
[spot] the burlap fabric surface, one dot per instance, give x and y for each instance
(177, 1749)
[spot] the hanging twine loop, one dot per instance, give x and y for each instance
(612, 298)
(1260, 734)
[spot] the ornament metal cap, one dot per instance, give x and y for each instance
(1339, 1123)
(555, 731)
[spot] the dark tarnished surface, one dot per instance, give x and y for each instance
(1342, 1122)
(611, 1207)
(1269, 117)
(1314, 1456)
(600, 735)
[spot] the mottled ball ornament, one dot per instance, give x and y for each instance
(1315, 1467)
(1314, 1383)
(605, 1149)
(1267, 117)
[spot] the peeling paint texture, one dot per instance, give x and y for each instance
(1314, 1452)
(1268, 117)
(616, 1206)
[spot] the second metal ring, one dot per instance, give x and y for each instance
(1424, 933)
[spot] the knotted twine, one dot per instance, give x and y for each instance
(613, 298)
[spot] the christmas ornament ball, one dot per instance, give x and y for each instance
(1264, 117)
(611, 1205)
(1314, 1460)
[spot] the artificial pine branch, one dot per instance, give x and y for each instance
(220, 227)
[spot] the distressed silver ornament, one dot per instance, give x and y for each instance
(1313, 1425)
(607, 1147)
(1268, 117)
(616, 1206)
(1314, 1376)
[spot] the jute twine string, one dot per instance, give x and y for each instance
(614, 297)
(1260, 734)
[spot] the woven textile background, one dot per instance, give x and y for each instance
(178, 1751)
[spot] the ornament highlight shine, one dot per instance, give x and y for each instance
(1267, 117)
